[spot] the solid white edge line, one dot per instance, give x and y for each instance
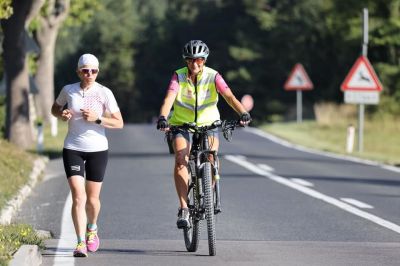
(280, 141)
(67, 241)
(315, 194)
(357, 203)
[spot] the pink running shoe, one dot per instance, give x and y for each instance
(92, 240)
(80, 250)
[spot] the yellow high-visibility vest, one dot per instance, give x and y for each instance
(196, 102)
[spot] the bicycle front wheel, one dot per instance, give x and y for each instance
(209, 208)
(191, 234)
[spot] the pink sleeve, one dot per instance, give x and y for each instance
(221, 84)
(173, 84)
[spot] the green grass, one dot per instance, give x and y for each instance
(53, 145)
(13, 236)
(16, 166)
(381, 142)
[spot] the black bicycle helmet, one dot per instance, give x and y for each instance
(195, 49)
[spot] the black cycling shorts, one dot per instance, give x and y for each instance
(93, 164)
(188, 135)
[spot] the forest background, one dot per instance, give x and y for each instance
(253, 44)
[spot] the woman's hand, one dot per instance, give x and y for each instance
(245, 119)
(89, 115)
(162, 124)
(66, 115)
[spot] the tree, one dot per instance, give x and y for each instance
(55, 14)
(5, 9)
(50, 19)
(18, 121)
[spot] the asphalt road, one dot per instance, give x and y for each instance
(282, 205)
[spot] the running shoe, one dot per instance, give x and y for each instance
(92, 240)
(183, 218)
(80, 250)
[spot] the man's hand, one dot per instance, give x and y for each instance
(162, 123)
(245, 119)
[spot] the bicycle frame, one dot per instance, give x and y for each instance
(199, 154)
(204, 191)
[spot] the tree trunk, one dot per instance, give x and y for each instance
(18, 129)
(18, 122)
(46, 37)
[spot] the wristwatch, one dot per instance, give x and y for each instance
(98, 121)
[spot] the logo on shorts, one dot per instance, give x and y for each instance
(75, 168)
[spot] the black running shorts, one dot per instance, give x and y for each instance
(92, 163)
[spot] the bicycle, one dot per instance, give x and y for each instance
(204, 198)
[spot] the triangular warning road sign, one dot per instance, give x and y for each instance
(362, 77)
(298, 79)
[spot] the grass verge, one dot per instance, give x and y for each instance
(13, 236)
(380, 138)
(53, 145)
(16, 166)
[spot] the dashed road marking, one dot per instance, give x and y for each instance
(266, 167)
(302, 182)
(313, 193)
(357, 203)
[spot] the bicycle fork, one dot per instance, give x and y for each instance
(217, 207)
(216, 178)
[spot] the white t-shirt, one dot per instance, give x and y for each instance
(83, 135)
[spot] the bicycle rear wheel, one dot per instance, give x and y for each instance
(209, 208)
(191, 234)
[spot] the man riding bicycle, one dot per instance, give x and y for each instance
(193, 91)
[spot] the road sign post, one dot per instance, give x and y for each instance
(362, 86)
(298, 80)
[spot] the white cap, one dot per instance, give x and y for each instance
(88, 59)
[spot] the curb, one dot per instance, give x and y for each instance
(28, 255)
(15, 203)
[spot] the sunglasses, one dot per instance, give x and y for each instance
(198, 61)
(88, 70)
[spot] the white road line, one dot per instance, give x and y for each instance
(315, 194)
(357, 203)
(391, 168)
(302, 182)
(67, 241)
(266, 167)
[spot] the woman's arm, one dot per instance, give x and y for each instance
(58, 112)
(233, 102)
(113, 121)
(167, 103)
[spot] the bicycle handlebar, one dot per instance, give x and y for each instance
(227, 127)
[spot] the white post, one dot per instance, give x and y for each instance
(299, 106)
(54, 126)
(361, 108)
(350, 138)
(40, 137)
